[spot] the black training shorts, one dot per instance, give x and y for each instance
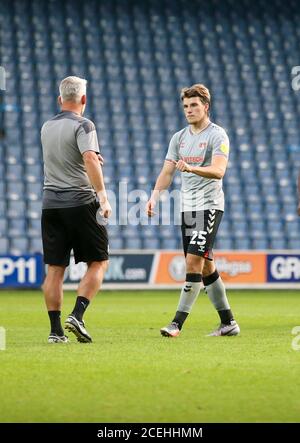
(75, 228)
(199, 229)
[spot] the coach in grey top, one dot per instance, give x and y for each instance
(65, 138)
(74, 193)
(200, 152)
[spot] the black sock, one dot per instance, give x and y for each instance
(56, 327)
(226, 316)
(180, 318)
(80, 306)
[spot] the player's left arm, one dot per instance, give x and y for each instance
(216, 170)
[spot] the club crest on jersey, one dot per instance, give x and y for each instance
(202, 145)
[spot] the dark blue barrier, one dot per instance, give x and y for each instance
(283, 268)
(123, 268)
(23, 271)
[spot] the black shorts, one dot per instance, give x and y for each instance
(199, 229)
(64, 229)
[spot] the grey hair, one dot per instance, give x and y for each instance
(72, 89)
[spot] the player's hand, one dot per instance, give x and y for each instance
(101, 159)
(298, 209)
(105, 208)
(182, 166)
(150, 207)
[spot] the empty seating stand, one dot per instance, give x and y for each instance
(136, 57)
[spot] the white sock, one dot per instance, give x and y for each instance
(189, 292)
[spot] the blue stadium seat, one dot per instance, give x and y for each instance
(35, 245)
(293, 244)
(260, 243)
(15, 209)
(3, 227)
(151, 243)
(133, 243)
(18, 245)
(4, 245)
(242, 243)
(116, 243)
(168, 243)
(224, 244)
(33, 227)
(17, 227)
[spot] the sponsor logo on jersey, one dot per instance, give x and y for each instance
(193, 159)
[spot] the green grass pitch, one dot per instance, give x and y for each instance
(132, 374)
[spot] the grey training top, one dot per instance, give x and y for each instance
(65, 138)
(199, 193)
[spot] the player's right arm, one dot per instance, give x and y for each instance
(166, 174)
(162, 183)
(94, 172)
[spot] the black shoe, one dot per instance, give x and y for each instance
(78, 328)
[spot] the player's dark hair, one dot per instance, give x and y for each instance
(197, 90)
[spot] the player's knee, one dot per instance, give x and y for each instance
(208, 268)
(193, 264)
(105, 264)
(52, 281)
(99, 265)
(44, 286)
(47, 284)
(190, 268)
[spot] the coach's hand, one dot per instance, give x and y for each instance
(182, 166)
(150, 207)
(105, 208)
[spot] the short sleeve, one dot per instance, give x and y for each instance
(173, 151)
(86, 137)
(220, 144)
